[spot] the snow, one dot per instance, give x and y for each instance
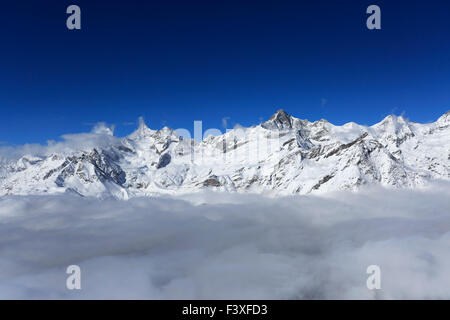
(284, 155)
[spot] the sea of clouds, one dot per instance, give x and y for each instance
(228, 246)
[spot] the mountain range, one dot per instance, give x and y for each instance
(283, 155)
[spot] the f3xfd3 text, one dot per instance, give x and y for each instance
(248, 309)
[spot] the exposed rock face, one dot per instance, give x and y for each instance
(211, 182)
(164, 160)
(280, 120)
(284, 155)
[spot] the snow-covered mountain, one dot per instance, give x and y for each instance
(284, 155)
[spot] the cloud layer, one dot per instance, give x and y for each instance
(228, 246)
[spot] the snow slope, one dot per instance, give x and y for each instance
(284, 155)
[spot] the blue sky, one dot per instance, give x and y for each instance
(174, 62)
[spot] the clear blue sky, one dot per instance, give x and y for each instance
(174, 62)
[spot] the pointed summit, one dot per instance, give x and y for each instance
(279, 120)
(142, 130)
(280, 114)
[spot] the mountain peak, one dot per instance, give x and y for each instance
(304, 158)
(280, 113)
(142, 131)
(392, 121)
(279, 120)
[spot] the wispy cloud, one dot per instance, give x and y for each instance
(225, 122)
(101, 135)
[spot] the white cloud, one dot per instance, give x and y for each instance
(100, 136)
(210, 245)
